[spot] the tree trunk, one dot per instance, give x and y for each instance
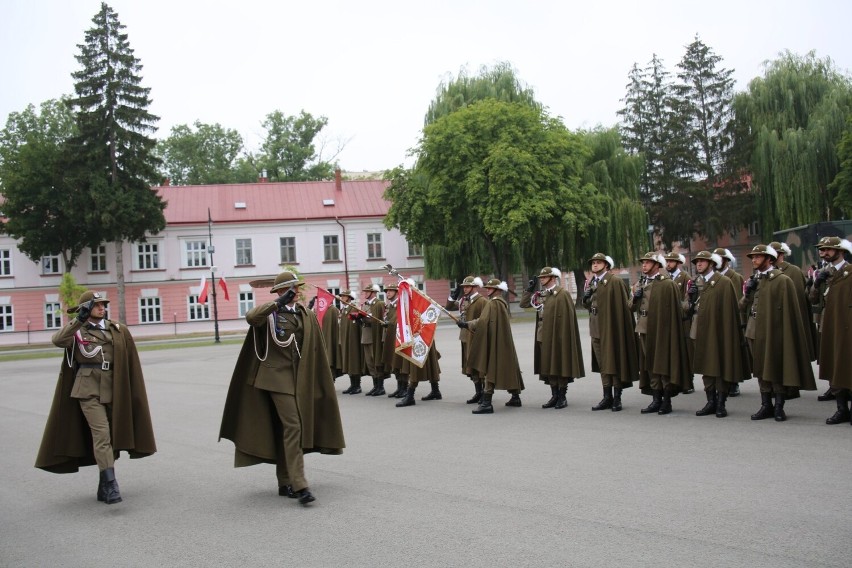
(119, 280)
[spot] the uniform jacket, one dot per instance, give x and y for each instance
(492, 347)
(249, 419)
(836, 332)
(560, 353)
(613, 321)
(780, 352)
(468, 310)
(67, 441)
(719, 342)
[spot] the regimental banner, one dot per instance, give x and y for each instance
(324, 301)
(416, 318)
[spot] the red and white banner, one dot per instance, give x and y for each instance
(416, 318)
(203, 291)
(224, 287)
(324, 301)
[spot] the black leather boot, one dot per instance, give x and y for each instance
(554, 396)
(286, 491)
(111, 494)
(765, 411)
(408, 399)
(305, 496)
(780, 415)
(616, 400)
(356, 387)
(380, 387)
(372, 391)
(734, 390)
(485, 405)
(827, 395)
(656, 403)
(606, 402)
(561, 400)
(842, 414)
(710, 407)
(435, 393)
(400, 390)
(515, 400)
(101, 488)
(478, 396)
(666, 407)
(351, 386)
(721, 411)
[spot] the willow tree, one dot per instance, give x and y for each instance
(502, 174)
(789, 124)
(842, 184)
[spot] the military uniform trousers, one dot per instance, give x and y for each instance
(658, 382)
(290, 461)
(606, 380)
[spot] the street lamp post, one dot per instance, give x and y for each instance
(211, 249)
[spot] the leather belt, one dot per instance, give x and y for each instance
(643, 313)
(102, 366)
(752, 314)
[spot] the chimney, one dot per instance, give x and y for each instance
(263, 178)
(338, 180)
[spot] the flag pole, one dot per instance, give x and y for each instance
(211, 249)
(345, 303)
(393, 271)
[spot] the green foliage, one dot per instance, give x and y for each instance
(207, 154)
(789, 123)
(842, 183)
(45, 210)
(69, 290)
(289, 151)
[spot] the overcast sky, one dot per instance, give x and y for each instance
(372, 67)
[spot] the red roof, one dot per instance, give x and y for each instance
(286, 201)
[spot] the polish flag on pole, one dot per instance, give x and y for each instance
(224, 287)
(324, 301)
(205, 288)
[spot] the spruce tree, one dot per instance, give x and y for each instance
(114, 151)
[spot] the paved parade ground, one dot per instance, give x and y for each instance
(433, 485)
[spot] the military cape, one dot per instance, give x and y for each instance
(67, 441)
(719, 344)
(561, 352)
(837, 336)
(616, 324)
(666, 352)
(250, 420)
(492, 347)
(331, 337)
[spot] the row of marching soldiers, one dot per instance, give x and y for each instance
(667, 326)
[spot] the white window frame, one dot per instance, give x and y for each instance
(289, 246)
(150, 310)
(50, 265)
(374, 246)
(97, 255)
(242, 250)
(5, 262)
(194, 253)
(246, 302)
(147, 256)
(329, 246)
(415, 249)
(52, 315)
(196, 311)
(7, 318)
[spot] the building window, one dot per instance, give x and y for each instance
(246, 303)
(374, 245)
(754, 228)
(288, 250)
(50, 264)
(149, 310)
(244, 251)
(415, 249)
(331, 250)
(195, 253)
(6, 318)
(197, 311)
(335, 292)
(98, 256)
(147, 256)
(5, 262)
(52, 315)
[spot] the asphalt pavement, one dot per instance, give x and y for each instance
(434, 485)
